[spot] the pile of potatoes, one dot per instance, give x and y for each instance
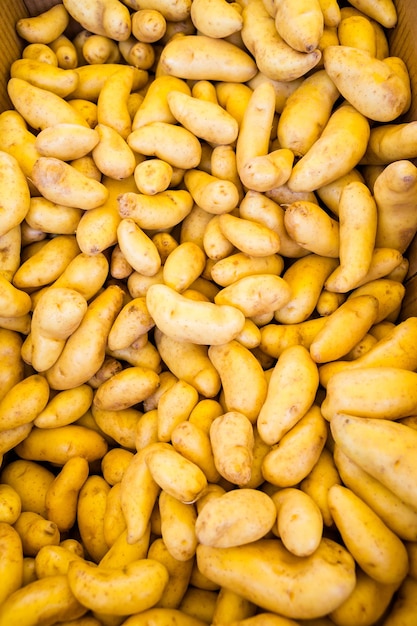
(208, 397)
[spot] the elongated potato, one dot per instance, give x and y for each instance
(40, 107)
(299, 523)
(376, 549)
(298, 131)
(239, 516)
(298, 451)
(250, 573)
(398, 516)
(48, 599)
(348, 66)
(391, 441)
(46, 76)
(207, 58)
(300, 24)
(274, 57)
(203, 323)
(87, 344)
(313, 228)
(45, 27)
(345, 136)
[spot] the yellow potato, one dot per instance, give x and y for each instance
(35, 532)
(97, 228)
(193, 442)
(154, 107)
(331, 343)
(59, 81)
(121, 553)
(391, 438)
(148, 25)
(48, 217)
(52, 560)
(348, 66)
(250, 573)
(213, 194)
(137, 247)
(404, 606)
(393, 190)
(299, 523)
(238, 517)
(175, 144)
(197, 322)
(112, 154)
(23, 402)
(219, 126)
(300, 24)
(215, 243)
(183, 266)
(354, 265)
(398, 516)
(190, 362)
(62, 183)
(111, 19)
(153, 176)
(298, 451)
(57, 445)
(65, 407)
(230, 360)
(175, 474)
(298, 131)
(45, 27)
(93, 77)
(376, 549)
(30, 481)
(174, 407)
(377, 392)
(62, 494)
(291, 392)
(232, 441)
(317, 483)
(10, 504)
(15, 192)
(367, 603)
(313, 228)
(91, 334)
(206, 58)
(95, 266)
(139, 54)
(47, 599)
(177, 531)
(312, 270)
(274, 57)
(40, 52)
(345, 137)
(99, 49)
(357, 31)
(40, 107)
(119, 424)
(11, 562)
(383, 12)
(138, 479)
(159, 211)
(17, 140)
(65, 52)
(216, 18)
(132, 322)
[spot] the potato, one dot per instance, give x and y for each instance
(45, 27)
(238, 517)
(48, 598)
(348, 66)
(300, 24)
(250, 573)
(376, 549)
(274, 57)
(202, 57)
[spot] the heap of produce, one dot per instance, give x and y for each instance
(208, 388)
